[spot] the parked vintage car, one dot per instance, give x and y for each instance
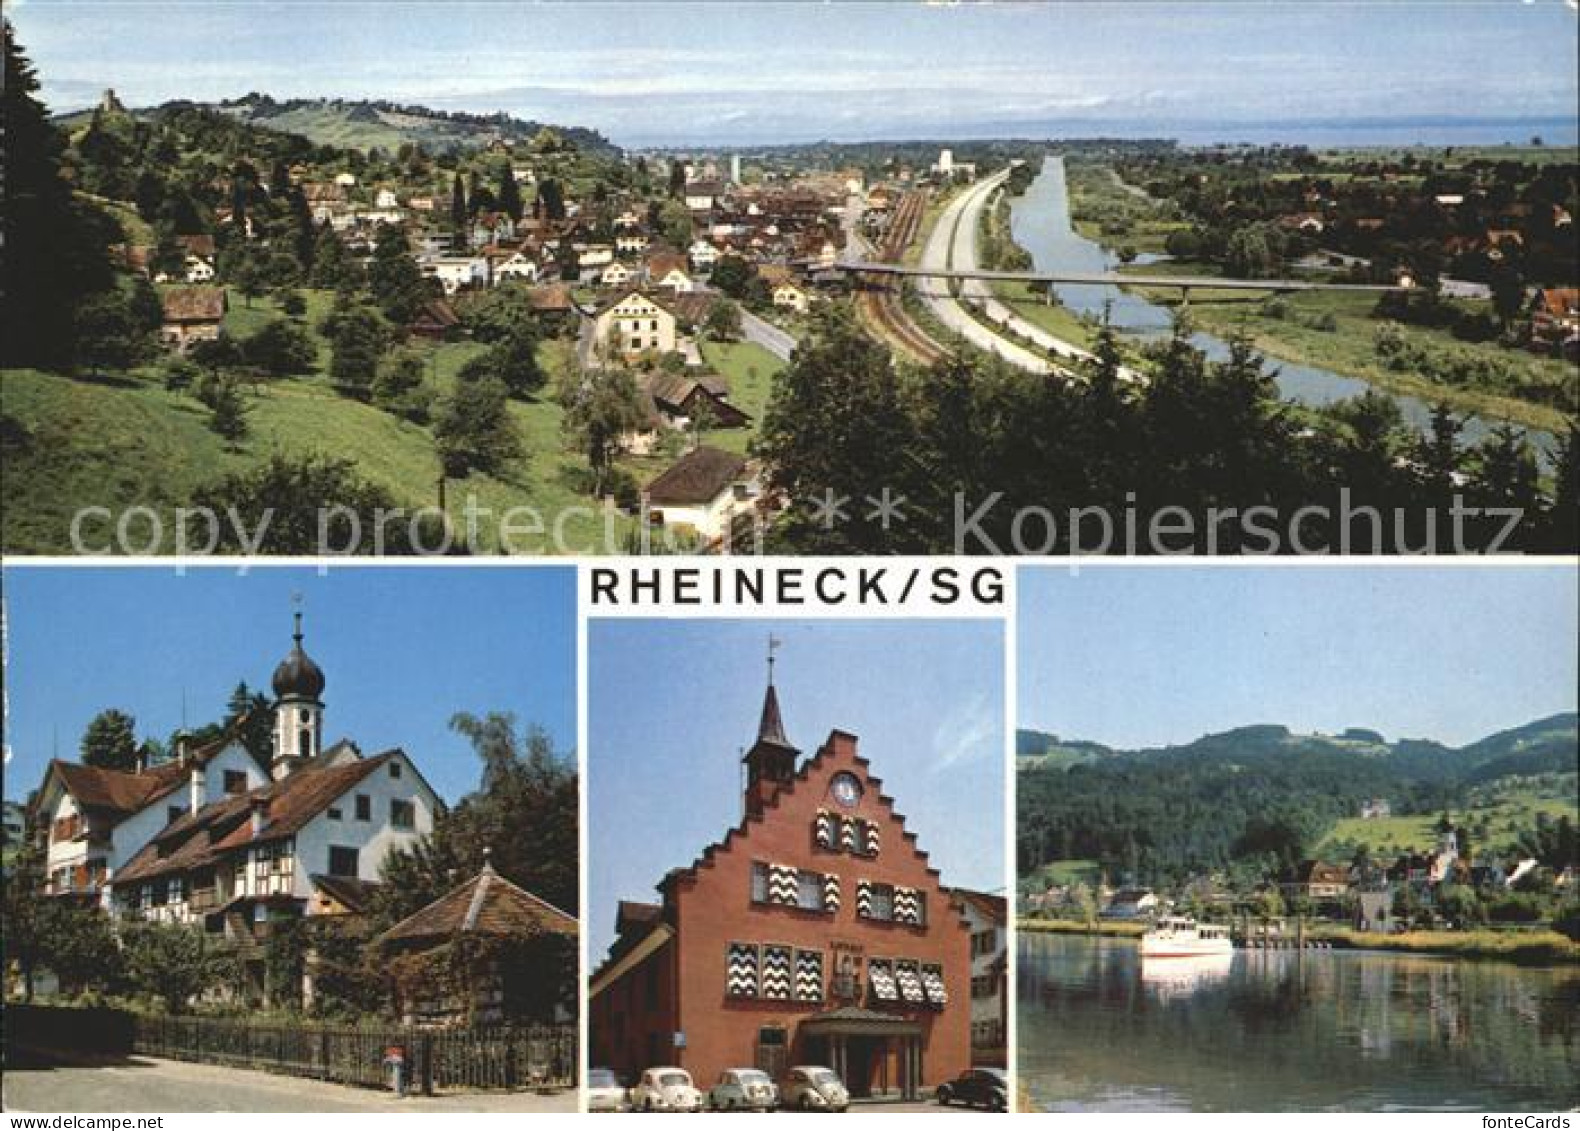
(605, 1092)
(743, 1089)
(665, 1089)
(813, 1088)
(977, 1087)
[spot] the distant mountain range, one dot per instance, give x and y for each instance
(363, 124)
(1545, 746)
(1227, 796)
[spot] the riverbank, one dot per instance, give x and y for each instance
(1336, 330)
(1119, 929)
(1329, 330)
(1526, 948)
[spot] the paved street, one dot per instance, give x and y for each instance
(144, 1084)
(767, 335)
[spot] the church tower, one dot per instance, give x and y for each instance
(771, 762)
(298, 709)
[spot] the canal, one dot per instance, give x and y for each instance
(1040, 223)
(1098, 1030)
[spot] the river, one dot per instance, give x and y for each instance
(1290, 1031)
(1040, 223)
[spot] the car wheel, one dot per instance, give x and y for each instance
(943, 1097)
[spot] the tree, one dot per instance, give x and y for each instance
(723, 323)
(522, 819)
(292, 304)
(106, 335)
(836, 427)
(333, 266)
(357, 338)
(458, 211)
(248, 712)
(509, 196)
(399, 388)
(395, 280)
(247, 271)
(280, 348)
(734, 276)
(474, 430)
(674, 223)
(1508, 293)
(310, 504)
(601, 407)
(76, 944)
(110, 741)
(55, 247)
(1084, 902)
(551, 199)
(227, 413)
(176, 964)
(512, 360)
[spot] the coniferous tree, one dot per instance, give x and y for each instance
(110, 741)
(509, 198)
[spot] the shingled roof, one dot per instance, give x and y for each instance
(699, 476)
(487, 904)
(194, 304)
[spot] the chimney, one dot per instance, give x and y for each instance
(181, 747)
(196, 788)
(260, 814)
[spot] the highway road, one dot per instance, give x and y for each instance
(766, 334)
(952, 242)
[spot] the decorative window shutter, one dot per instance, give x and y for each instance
(864, 899)
(910, 983)
(880, 975)
(823, 829)
(742, 980)
(782, 884)
(870, 841)
(830, 892)
(906, 906)
(809, 975)
(847, 838)
(933, 984)
(776, 972)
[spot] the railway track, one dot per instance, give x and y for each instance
(880, 302)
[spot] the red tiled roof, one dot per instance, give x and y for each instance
(487, 904)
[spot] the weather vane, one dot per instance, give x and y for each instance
(774, 644)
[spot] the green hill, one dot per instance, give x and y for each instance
(366, 125)
(1262, 792)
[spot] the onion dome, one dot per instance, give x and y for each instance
(298, 677)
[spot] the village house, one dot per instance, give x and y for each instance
(1555, 321)
(491, 227)
(1316, 881)
(815, 932)
(617, 274)
(703, 255)
(1131, 903)
(669, 269)
(988, 918)
(191, 314)
(513, 978)
(1376, 809)
(632, 324)
(243, 849)
(682, 398)
(702, 195)
(386, 199)
(435, 320)
(703, 491)
(517, 265)
(631, 243)
(456, 272)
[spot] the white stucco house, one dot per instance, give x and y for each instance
(703, 491)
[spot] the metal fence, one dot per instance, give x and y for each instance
(435, 1060)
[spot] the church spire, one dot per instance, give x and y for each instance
(771, 762)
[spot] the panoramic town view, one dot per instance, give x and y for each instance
(1275, 877)
(628, 293)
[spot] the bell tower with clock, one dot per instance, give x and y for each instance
(771, 762)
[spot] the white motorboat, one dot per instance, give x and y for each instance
(1179, 937)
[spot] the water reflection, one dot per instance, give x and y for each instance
(1172, 978)
(1279, 1030)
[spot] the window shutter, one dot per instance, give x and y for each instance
(809, 975)
(776, 972)
(830, 892)
(742, 979)
(864, 899)
(782, 884)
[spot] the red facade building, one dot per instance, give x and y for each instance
(815, 932)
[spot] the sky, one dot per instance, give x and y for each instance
(715, 73)
(1134, 656)
(673, 704)
(402, 650)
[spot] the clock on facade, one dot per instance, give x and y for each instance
(846, 789)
